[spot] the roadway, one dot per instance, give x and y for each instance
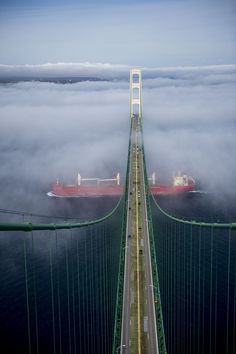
(139, 332)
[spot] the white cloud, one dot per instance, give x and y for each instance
(190, 125)
(65, 69)
(112, 71)
(50, 130)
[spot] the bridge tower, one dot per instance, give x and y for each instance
(135, 92)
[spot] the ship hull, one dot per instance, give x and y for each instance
(64, 191)
(84, 191)
(170, 190)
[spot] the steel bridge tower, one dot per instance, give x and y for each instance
(135, 92)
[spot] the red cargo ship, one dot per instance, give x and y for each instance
(96, 187)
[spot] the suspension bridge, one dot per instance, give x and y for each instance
(137, 280)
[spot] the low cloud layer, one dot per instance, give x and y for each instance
(190, 125)
(113, 72)
(50, 70)
(51, 130)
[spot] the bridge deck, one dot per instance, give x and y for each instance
(139, 334)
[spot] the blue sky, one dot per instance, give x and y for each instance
(153, 33)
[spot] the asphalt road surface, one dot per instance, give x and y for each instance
(139, 332)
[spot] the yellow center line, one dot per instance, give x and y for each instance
(137, 223)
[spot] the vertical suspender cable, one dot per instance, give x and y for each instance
(105, 289)
(35, 295)
(168, 282)
(216, 299)
(73, 290)
(58, 294)
(171, 290)
(190, 289)
(178, 280)
(194, 299)
(228, 288)
(210, 312)
(100, 255)
(165, 267)
(79, 295)
(184, 288)
(86, 292)
(92, 294)
(84, 288)
(234, 308)
(199, 289)
(89, 300)
(96, 287)
(113, 282)
(203, 298)
(68, 296)
(52, 296)
(108, 297)
(27, 296)
(174, 294)
(102, 292)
